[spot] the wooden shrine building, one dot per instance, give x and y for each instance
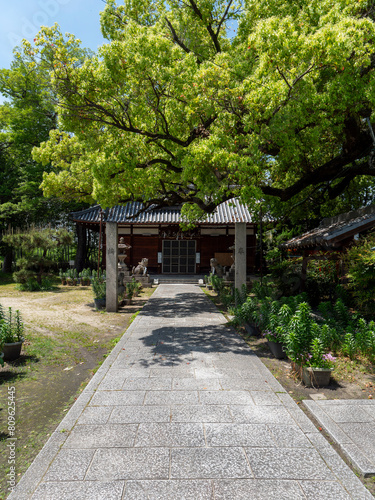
(156, 234)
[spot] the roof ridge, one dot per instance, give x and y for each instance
(346, 217)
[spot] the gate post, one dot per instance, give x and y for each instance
(240, 254)
(111, 266)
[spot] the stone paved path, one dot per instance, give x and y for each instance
(182, 409)
(351, 423)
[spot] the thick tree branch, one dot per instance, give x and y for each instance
(147, 164)
(208, 26)
(175, 37)
(334, 168)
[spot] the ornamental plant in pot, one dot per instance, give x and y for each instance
(11, 334)
(99, 290)
(85, 277)
(318, 365)
(276, 333)
(275, 343)
(63, 277)
(131, 289)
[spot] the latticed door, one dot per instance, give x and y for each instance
(179, 256)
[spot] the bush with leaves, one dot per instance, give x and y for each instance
(321, 278)
(263, 289)
(217, 283)
(98, 287)
(132, 288)
(360, 262)
(286, 276)
(36, 245)
(346, 332)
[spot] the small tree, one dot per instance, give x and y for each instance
(36, 246)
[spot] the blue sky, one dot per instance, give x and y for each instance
(23, 18)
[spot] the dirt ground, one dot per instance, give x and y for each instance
(66, 341)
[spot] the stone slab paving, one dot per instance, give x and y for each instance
(351, 423)
(183, 409)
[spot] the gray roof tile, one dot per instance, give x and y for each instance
(228, 212)
(334, 229)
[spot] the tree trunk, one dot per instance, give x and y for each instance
(81, 254)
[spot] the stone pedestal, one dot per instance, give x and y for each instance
(143, 279)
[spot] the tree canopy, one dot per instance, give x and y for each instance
(202, 100)
(26, 119)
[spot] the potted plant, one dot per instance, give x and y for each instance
(62, 277)
(99, 290)
(276, 333)
(84, 276)
(11, 334)
(275, 342)
(318, 365)
(131, 289)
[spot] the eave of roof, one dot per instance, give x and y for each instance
(335, 229)
(229, 212)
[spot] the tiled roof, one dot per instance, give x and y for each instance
(332, 230)
(228, 212)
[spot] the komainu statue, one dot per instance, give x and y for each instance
(141, 269)
(216, 268)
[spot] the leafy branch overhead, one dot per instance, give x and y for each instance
(203, 100)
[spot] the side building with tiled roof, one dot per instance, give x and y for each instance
(335, 233)
(156, 235)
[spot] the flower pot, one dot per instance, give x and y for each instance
(316, 377)
(277, 349)
(12, 350)
(100, 303)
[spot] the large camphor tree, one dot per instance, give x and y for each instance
(202, 100)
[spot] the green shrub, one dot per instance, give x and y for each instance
(131, 288)
(263, 289)
(217, 283)
(11, 326)
(37, 246)
(322, 278)
(98, 287)
(286, 276)
(360, 262)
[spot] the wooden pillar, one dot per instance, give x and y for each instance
(240, 254)
(111, 266)
(81, 255)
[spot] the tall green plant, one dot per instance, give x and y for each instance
(11, 327)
